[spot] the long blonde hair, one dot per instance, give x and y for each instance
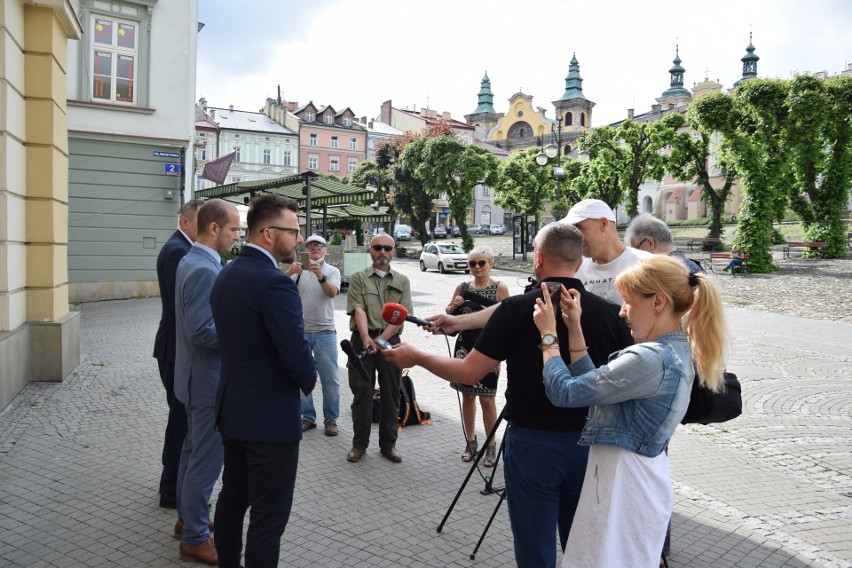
(700, 309)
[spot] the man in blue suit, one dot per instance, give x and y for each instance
(266, 362)
(164, 347)
(197, 366)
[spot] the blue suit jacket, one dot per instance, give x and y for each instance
(167, 262)
(197, 361)
(266, 360)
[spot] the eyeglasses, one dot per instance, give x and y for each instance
(294, 232)
(641, 243)
(386, 248)
(479, 263)
(314, 245)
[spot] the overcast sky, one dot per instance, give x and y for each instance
(359, 53)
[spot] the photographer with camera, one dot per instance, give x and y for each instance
(369, 291)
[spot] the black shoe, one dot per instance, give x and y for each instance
(168, 501)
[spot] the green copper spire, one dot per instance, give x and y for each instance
(486, 97)
(573, 82)
(676, 86)
(749, 63)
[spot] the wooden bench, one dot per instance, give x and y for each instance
(803, 247)
(719, 260)
(703, 242)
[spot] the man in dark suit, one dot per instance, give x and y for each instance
(266, 362)
(197, 365)
(164, 347)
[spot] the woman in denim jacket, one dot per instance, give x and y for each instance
(636, 400)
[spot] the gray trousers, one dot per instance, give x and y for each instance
(362, 397)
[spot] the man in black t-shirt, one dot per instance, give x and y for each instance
(544, 465)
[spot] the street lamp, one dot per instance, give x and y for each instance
(554, 151)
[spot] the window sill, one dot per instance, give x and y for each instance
(110, 106)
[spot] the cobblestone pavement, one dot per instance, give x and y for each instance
(773, 488)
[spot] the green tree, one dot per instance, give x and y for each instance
(368, 173)
(451, 168)
(818, 135)
(411, 195)
(523, 185)
(689, 160)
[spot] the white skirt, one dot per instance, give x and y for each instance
(624, 509)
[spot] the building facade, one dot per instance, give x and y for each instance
(39, 335)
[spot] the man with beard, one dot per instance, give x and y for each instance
(369, 291)
(266, 362)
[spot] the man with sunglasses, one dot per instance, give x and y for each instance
(319, 283)
(266, 364)
(369, 291)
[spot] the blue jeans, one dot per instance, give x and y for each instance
(200, 464)
(544, 473)
(324, 346)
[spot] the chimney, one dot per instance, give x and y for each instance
(279, 93)
(231, 107)
(446, 116)
(630, 113)
(292, 105)
(203, 102)
(363, 120)
(213, 113)
(656, 109)
(386, 112)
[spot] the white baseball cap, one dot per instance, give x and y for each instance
(588, 209)
(316, 239)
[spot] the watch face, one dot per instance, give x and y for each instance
(548, 339)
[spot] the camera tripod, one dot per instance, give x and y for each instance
(489, 488)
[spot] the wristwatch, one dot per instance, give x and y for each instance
(548, 341)
(323, 279)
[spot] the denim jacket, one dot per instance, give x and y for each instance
(637, 399)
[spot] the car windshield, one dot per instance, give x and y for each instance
(451, 249)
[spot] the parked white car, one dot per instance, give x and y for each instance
(402, 233)
(443, 258)
(496, 229)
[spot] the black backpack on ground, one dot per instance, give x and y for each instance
(409, 410)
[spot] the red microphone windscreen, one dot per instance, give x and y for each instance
(394, 314)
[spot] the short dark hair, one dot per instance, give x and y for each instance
(266, 207)
(560, 242)
(190, 208)
(213, 211)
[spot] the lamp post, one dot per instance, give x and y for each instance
(554, 151)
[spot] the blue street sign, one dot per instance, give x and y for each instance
(171, 169)
(161, 154)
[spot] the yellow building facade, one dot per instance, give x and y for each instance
(39, 335)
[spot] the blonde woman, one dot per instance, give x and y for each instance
(480, 260)
(636, 400)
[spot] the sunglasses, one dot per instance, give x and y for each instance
(479, 263)
(386, 248)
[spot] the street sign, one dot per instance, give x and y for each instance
(171, 169)
(163, 154)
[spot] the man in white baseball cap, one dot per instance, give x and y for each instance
(606, 256)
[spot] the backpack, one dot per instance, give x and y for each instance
(409, 411)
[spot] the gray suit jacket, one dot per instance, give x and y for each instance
(197, 360)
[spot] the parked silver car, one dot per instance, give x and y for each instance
(443, 258)
(474, 229)
(496, 229)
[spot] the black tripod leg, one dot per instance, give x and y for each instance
(488, 526)
(470, 473)
(489, 481)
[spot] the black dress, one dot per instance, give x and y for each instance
(467, 338)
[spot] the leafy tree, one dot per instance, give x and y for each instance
(452, 168)
(523, 185)
(689, 160)
(411, 195)
(369, 173)
(624, 157)
(818, 134)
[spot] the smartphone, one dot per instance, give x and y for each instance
(555, 289)
(305, 259)
(382, 343)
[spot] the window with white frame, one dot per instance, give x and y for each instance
(353, 165)
(334, 164)
(201, 153)
(347, 121)
(286, 157)
(334, 142)
(267, 156)
(327, 118)
(309, 116)
(237, 153)
(313, 162)
(353, 143)
(313, 140)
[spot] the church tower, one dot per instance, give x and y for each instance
(484, 118)
(749, 64)
(676, 94)
(574, 108)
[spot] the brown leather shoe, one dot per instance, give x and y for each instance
(392, 454)
(179, 528)
(204, 552)
(355, 454)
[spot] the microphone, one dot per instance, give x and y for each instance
(395, 314)
(481, 300)
(355, 359)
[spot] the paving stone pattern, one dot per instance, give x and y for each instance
(79, 461)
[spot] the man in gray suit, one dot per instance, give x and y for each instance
(197, 364)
